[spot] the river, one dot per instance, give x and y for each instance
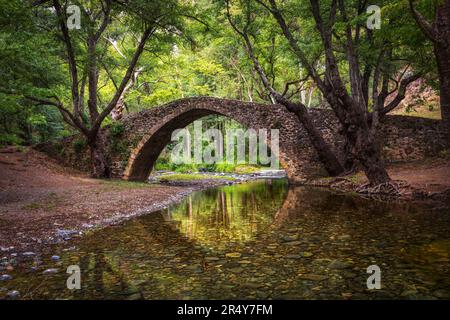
(255, 240)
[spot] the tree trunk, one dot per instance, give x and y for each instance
(443, 61)
(365, 150)
(100, 167)
(326, 155)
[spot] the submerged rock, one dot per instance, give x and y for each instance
(5, 277)
(51, 271)
(29, 254)
(337, 264)
(13, 294)
(233, 255)
(313, 277)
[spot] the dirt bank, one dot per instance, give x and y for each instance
(427, 180)
(42, 202)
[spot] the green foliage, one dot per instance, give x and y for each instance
(9, 139)
(193, 52)
(116, 129)
(79, 145)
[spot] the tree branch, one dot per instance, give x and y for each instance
(70, 57)
(147, 33)
(400, 94)
(426, 27)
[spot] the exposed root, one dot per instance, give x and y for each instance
(395, 188)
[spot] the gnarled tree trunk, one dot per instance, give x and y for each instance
(366, 151)
(443, 60)
(100, 167)
(439, 33)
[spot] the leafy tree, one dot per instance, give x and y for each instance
(353, 69)
(439, 33)
(83, 54)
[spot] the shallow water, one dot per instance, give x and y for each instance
(257, 240)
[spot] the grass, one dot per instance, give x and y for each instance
(123, 184)
(51, 201)
(422, 111)
(192, 177)
(246, 169)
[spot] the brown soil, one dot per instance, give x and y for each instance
(431, 175)
(38, 197)
(428, 179)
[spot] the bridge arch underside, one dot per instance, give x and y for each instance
(296, 156)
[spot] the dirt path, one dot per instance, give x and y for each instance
(432, 175)
(42, 202)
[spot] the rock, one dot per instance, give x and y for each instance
(306, 254)
(212, 259)
(293, 243)
(51, 271)
(195, 268)
(56, 258)
(313, 277)
(336, 264)
(136, 296)
(233, 255)
(65, 234)
(13, 294)
(237, 270)
(5, 277)
(252, 285)
(288, 238)
(441, 294)
(29, 254)
(293, 256)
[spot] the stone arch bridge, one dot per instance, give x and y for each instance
(134, 148)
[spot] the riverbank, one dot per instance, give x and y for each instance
(42, 202)
(425, 180)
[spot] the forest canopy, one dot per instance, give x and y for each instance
(75, 66)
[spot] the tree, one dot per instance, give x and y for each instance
(85, 53)
(347, 48)
(326, 155)
(439, 33)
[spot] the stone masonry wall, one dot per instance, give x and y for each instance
(136, 142)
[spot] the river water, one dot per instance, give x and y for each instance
(256, 240)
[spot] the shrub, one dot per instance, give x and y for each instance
(116, 129)
(79, 145)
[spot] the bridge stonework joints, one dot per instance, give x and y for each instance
(146, 133)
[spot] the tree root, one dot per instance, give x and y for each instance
(394, 188)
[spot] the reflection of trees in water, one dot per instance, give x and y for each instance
(234, 213)
(110, 266)
(326, 214)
